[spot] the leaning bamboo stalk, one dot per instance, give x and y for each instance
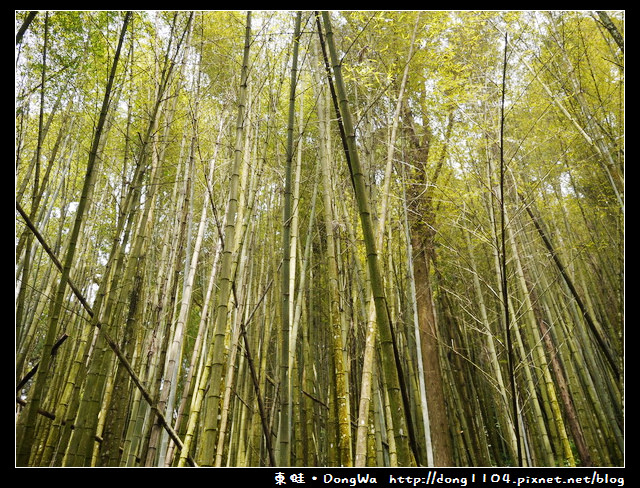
(591, 323)
(364, 209)
(550, 401)
(370, 341)
(123, 361)
(26, 427)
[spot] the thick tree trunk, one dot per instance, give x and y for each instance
(430, 345)
(422, 229)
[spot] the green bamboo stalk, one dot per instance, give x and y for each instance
(285, 386)
(26, 426)
(591, 323)
(341, 390)
(390, 371)
(214, 363)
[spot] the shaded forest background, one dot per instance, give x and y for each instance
(346, 238)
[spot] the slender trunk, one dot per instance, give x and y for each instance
(213, 368)
(367, 374)
(26, 425)
(285, 383)
(390, 371)
(503, 257)
(341, 390)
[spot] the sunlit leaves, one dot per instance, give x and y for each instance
(452, 107)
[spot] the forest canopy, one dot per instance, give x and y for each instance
(338, 238)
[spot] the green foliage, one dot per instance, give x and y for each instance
(219, 34)
(565, 79)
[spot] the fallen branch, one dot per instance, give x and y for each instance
(31, 373)
(112, 344)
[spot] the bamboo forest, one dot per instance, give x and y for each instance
(319, 238)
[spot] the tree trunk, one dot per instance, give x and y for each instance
(213, 369)
(285, 382)
(422, 224)
(390, 370)
(26, 426)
